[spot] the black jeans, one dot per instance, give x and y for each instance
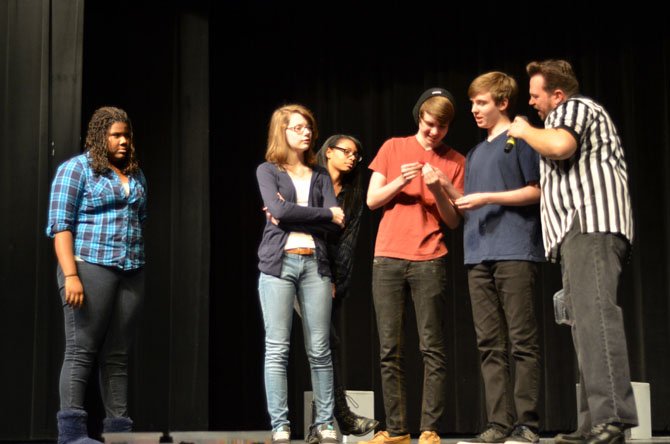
(503, 312)
(591, 264)
(426, 281)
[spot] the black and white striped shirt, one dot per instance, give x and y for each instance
(592, 184)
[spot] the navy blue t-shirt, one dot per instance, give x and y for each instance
(497, 232)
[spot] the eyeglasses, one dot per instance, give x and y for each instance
(300, 129)
(349, 153)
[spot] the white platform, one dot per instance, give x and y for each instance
(195, 437)
(361, 402)
(641, 392)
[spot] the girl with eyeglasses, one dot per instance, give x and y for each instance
(301, 207)
(341, 155)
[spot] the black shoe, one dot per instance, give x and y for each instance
(575, 437)
(349, 422)
(606, 433)
(522, 434)
(492, 434)
(352, 424)
(311, 437)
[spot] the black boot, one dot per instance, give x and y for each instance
(349, 422)
(310, 437)
(72, 427)
(117, 425)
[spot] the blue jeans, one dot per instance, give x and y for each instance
(427, 282)
(299, 277)
(102, 328)
(591, 264)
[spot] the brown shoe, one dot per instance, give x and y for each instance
(429, 437)
(383, 437)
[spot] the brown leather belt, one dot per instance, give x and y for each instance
(301, 251)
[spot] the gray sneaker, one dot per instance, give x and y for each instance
(522, 435)
(492, 434)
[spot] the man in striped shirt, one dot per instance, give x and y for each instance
(587, 223)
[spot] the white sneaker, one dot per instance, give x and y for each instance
(282, 435)
(326, 434)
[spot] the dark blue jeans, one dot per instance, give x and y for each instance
(502, 294)
(102, 329)
(426, 282)
(591, 264)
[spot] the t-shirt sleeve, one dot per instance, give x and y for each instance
(529, 162)
(380, 163)
(573, 116)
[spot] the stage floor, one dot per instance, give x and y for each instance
(263, 437)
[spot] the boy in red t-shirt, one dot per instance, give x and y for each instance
(415, 180)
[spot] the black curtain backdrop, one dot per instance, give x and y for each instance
(200, 80)
(40, 91)
(360, 69)
(61, 61)
(152, 60)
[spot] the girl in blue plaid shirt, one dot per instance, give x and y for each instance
(97, 209)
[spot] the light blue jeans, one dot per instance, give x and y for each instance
(299, 277)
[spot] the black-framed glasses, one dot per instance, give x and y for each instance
(349, 153)
(300, 129)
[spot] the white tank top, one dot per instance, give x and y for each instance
(295, 238)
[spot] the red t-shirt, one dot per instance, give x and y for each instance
(410, 227)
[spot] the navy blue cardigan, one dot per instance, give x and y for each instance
(315, 218)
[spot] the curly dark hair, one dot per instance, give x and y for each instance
(96, 139)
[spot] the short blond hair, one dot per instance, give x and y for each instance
(500, 85)
(441, 108)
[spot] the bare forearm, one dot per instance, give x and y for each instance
(452, 191)
(448, 213)
(379, 196)
(527, 195)
(64, 246)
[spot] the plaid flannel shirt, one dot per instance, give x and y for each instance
(105, 223)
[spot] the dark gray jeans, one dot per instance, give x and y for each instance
(591, 264)
(102, 329)
(502, 294)
(426, 281)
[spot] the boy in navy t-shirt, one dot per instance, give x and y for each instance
(503, 244)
